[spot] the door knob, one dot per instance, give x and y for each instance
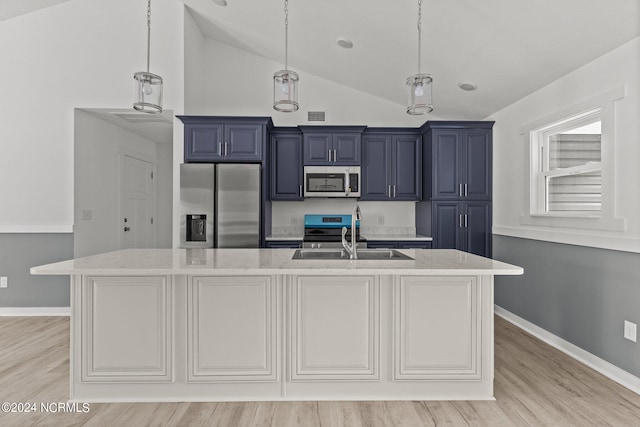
(127, 229)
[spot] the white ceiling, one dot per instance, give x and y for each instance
(12, 8)
(509, 48)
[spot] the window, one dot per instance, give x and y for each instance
(570, 165)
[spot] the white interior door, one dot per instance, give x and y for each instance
(137, 203)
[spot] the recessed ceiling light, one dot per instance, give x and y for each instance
(220, 2)
(467, 86)
(344, 43)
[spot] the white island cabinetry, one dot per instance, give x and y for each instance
(246, 325)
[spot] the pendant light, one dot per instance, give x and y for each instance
(148, 85)
(419, 85)
(285, 82)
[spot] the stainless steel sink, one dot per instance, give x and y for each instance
(320, 254)
(363, 254)
(381, 254)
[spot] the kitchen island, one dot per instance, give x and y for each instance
(255, 324)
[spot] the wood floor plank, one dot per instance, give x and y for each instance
(535, 385)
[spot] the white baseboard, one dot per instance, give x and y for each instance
(35, 311)
(607, 369)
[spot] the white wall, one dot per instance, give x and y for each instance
(620, 67)
(81, 53)
(98, 148)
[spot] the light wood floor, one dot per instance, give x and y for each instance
(535, 385)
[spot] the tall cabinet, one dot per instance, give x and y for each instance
(459, 187)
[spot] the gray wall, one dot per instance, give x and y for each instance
(580, 294)
(18, 253)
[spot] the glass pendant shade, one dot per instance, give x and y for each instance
(419, 89)
(148, 92)
(285, 91)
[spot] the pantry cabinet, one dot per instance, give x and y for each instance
(459, 186)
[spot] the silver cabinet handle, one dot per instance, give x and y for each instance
(329, 154)
(394, 191)
(226, 149)
(335, 156)
(459, 221)
(219, 148)
(389, 191)
(465, 220)
(460, 190)
(300, 190)
(465, 189)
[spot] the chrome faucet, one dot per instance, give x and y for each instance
(356, 215)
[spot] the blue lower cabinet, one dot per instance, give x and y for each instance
(463, 225)
(283, 244)
(414, 245)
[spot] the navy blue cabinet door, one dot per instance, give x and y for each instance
(463, 225)
(347, 148)
(376, 167)
(447, 159)
(286, 166)
(203, 143)
(332, 148)
(243, 142)
(213, 139)
(318, 149)
(446, 225)
(407, 167)
(477, 164)
(391, 167)
(462, 164)
(477, 227)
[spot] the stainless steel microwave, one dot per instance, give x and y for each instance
(332, 181)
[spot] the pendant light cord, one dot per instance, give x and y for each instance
(419, 33)
(286, 34)
(148, 33)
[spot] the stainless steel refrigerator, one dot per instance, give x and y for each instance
(219, 205)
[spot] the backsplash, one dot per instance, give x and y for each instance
(377, 217)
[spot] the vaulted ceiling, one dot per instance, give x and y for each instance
(508, 48)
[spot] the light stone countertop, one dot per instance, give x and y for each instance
(398, 237)
(145, 262)
(368, 236)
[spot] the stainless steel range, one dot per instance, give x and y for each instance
(325, 231)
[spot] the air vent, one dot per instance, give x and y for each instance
(141, 117)
(316, 116)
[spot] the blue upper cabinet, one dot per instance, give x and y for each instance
(391, 166)
(285, 165)
(224, 139)
(332, 145)
(460, 156)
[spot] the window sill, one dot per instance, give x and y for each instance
(573, 221)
